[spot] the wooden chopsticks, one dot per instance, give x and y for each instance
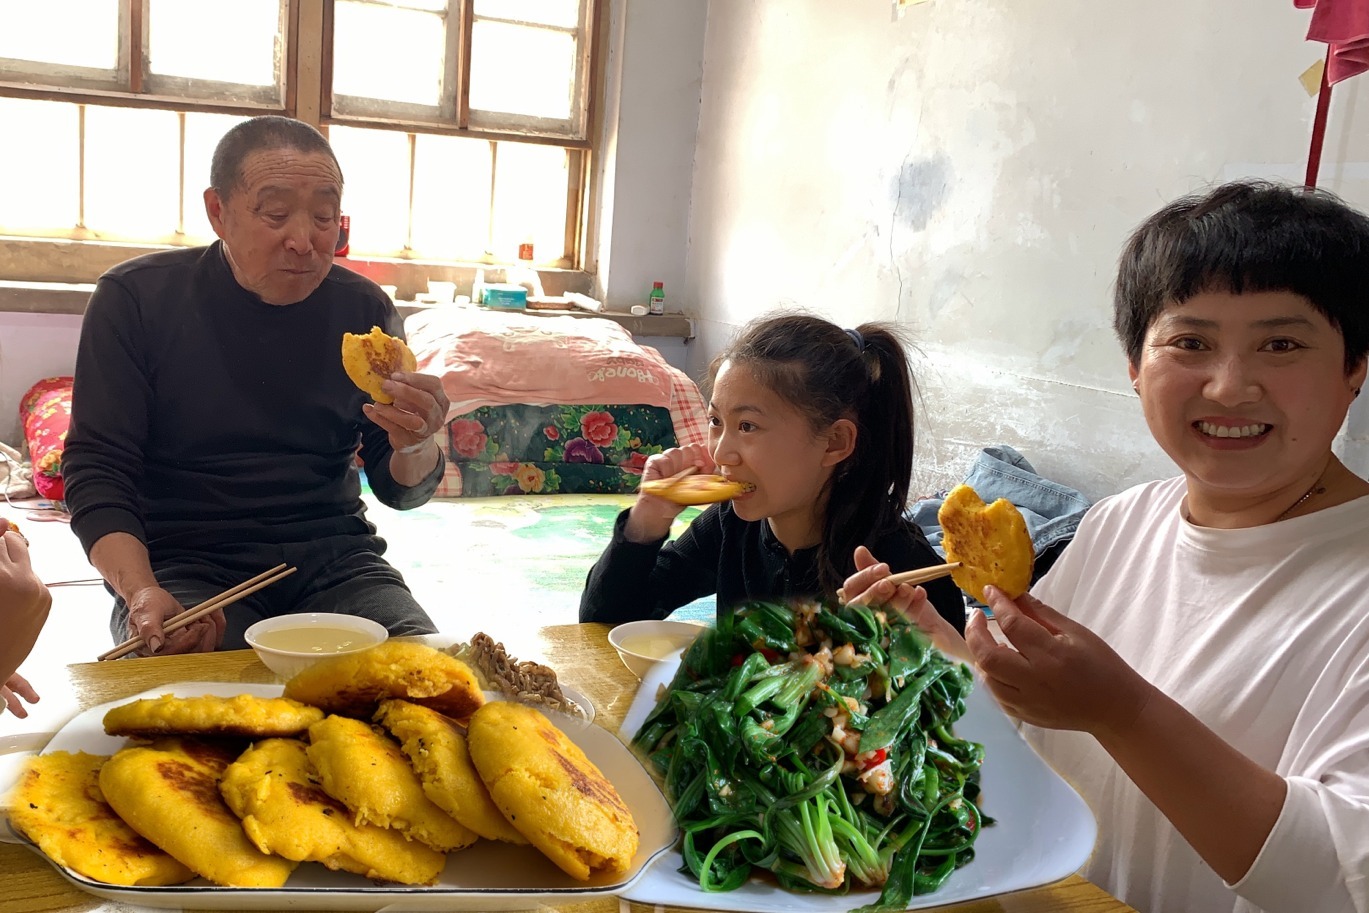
(226, 598)
(920, 575)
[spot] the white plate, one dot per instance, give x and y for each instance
(1044, 831)
(487, 876)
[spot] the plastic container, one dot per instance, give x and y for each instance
(655, 302)
(505, 295)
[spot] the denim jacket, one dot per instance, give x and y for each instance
(1051, 510)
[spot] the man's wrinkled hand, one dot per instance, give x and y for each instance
(13, 690)
(418, 412)
(152, 607)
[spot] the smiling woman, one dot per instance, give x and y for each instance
(1197, 661)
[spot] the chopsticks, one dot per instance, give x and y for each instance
(920, 575)
(226, 598)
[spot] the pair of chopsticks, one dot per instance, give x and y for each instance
(921, 575)
(226, 598)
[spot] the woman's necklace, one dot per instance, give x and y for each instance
(1317, 489)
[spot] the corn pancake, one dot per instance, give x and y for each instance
(365, 771)
(244, 715)
(354, 683)
(58, 805)
(168, 791)
(695, 490)
(274, 789)
(991, 543)
(438, 753)
(551, 792)
(370, 358)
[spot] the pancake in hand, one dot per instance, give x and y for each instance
(990, 542)
(58, 805)
(367, 772)
(438, 753)
(274, 789)
(168, 791)
(244, 715)
(551, 792)
(369, 360)
(695, 489)
(353, 684)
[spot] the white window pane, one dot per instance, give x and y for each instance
(521, 70)
(39, 179)
(76, 32)
(530, 200)
(388, 53)
(202, 134)
(451, 198)
(203, 39)
(131, 187)
(565, 13)
(375, 167)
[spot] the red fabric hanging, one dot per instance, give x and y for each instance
(1344, 26)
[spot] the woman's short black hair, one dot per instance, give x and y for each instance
(1249, 236)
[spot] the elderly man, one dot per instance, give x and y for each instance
(214, 431)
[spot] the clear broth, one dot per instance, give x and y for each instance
(313, 639)
(655, 646)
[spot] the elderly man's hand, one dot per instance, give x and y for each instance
(17, 687)
(418, 412)
(150, 609)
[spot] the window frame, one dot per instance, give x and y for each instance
(305, 93)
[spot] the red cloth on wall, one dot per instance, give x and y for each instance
(1344, 26)
(45, 411)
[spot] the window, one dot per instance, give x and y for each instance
(462, 126)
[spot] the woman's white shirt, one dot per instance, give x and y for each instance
(1263, 634)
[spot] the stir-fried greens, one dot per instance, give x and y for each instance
(814, 741)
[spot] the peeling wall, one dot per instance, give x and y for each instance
(971, 169)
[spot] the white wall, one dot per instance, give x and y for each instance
(971, 169)
(32, 346)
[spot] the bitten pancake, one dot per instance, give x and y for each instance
(353, 684)
(274, 789)
(551, 792)
(244, 715)
(991, 543)
(707, 489)
(369, 359)
(169, 792)
(365, 771)
(438, 753)
(58, 805)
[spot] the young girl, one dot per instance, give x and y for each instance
(819, 420)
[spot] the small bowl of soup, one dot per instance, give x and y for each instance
(288, 644)
(642, 644)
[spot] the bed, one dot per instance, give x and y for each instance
(550, 404)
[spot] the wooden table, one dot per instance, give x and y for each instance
(579, 653)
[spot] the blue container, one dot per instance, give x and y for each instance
(514, 297)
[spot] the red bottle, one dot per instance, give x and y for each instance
(344, 237)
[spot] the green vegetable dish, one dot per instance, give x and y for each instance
(814, 741)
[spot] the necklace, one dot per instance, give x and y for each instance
(1317, 489)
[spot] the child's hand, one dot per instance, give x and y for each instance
(651, 516)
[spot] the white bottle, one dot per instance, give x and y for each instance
(523, 274)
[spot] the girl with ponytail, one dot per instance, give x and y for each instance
(819, 420)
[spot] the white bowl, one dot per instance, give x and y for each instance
(642, 644)
(289, 661)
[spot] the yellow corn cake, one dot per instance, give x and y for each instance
(243, 715)
(990, 542)
(275, 790)
(355, 683)
(365, 771)
(551, 792)
(58, 805)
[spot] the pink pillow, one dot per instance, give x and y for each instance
(496, 358)
(45, 411)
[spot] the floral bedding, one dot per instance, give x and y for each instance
(525, 449)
